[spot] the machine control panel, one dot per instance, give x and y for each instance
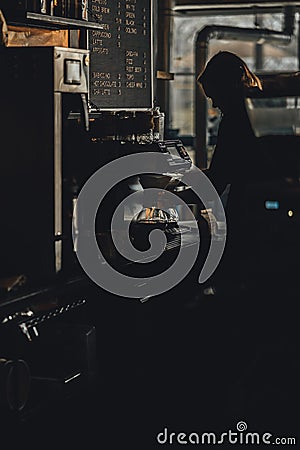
(178, 159)
(175, 148)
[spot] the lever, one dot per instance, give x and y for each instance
(85, 111)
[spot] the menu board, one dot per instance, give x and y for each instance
(120, 54)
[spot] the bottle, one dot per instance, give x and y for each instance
(43, 7)
(52, 6)
(84, 9)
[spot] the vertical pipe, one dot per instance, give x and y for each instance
(258, 56)
(58, 179)
(164, 36)
(258, 46)
(298, 43)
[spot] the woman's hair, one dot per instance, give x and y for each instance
(227, 68)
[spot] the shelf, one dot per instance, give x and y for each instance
(55, 21)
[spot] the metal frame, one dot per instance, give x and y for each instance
(59, 56)
(58, 22)
(58, 180)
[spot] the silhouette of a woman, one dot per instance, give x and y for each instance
(227, 80)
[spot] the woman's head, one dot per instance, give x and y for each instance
(225, 79)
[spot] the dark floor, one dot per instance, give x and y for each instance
(187, 362)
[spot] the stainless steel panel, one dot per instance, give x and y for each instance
(58, 179)
(62, 54)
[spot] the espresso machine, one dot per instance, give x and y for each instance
(117, 134)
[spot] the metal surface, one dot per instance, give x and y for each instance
(229, 9)
(231, 3)
(58, 22)
(58, 179)
(60, 55)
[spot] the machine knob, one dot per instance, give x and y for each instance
(15, 381)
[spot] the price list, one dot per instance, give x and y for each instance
(120, 53)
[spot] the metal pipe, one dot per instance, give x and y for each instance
(259, 48)
(298, 45)
(164, 33)
(201, 48)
